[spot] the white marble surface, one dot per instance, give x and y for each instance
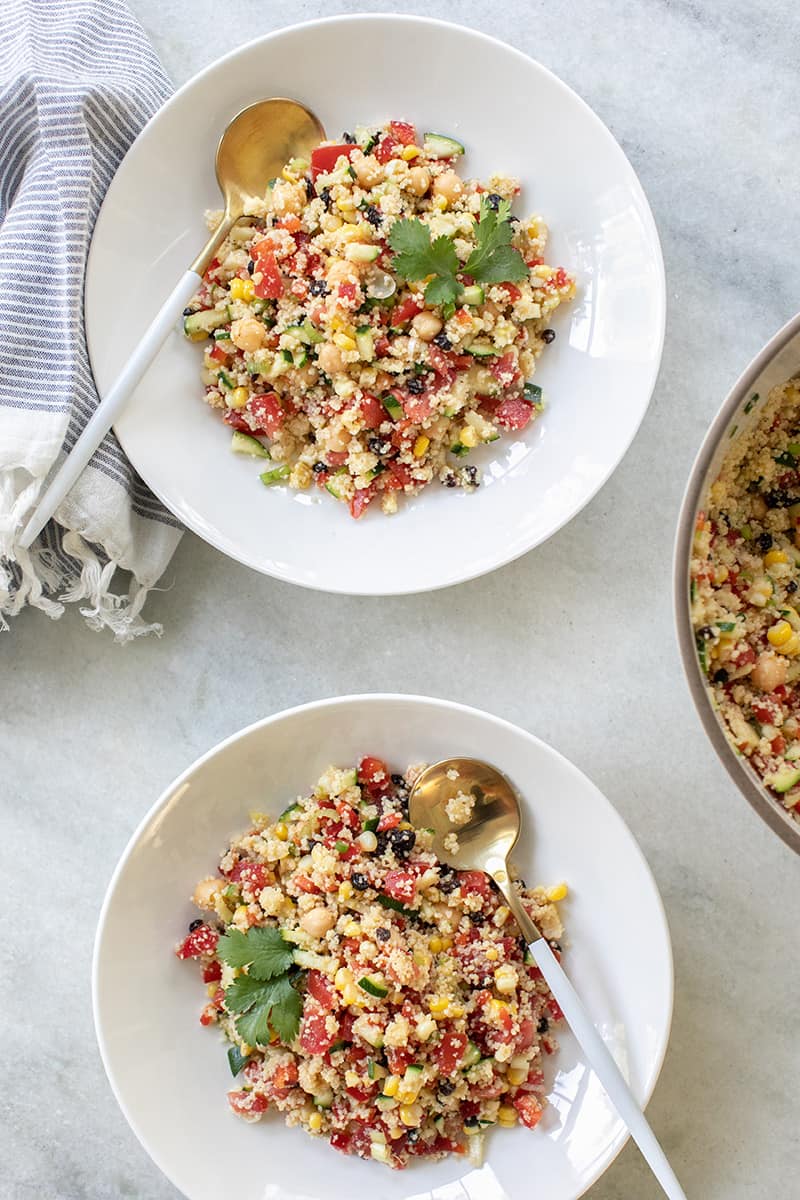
(574, 641)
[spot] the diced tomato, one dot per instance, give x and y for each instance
(505, 369)
(324, 158)
(361, 498)
(743, 655)
(373, 774)
(306, 885)
(382, 346)
(314, 1036)
(512, 291)
(526, 1036)
(405, 311)
(350, 818)
(514, 413)
(283, 1079)
(398, 1058)
(561, 278)
(252, 876)
(417, 408)
(443, 1145)
(321, 988)
(267, 412)
(336, 458)
(401, 885)
(248, 1104)
(554, 1008)
(396, 476)
(209, 1015)
(235, 419)
(219, 354)
(212, 972)
(372, 411)
(406, 134)
(450, 1051)
(346, 1027)
(474, 881)
(529, 1109)
(389, 820)
(360, 1093)
(290, 222)
(341, 1141)
(202, 940)
(386, 148)
(347, 293)
(270, 284)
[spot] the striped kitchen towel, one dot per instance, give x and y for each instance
(78, 80)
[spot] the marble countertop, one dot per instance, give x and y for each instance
(703, 97)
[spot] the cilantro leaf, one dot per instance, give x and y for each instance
(494, 259)
(285, 1017)
(263, 951)
(245, 992)
(263, 1006)
(253, 1027)
(416, 257)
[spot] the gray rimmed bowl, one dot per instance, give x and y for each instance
(777, 362)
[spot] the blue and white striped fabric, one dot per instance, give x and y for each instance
(78, 80)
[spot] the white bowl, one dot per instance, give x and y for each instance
(170, 1075)
(513, 116)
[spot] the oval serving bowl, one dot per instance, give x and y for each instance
(777, 362)
(597, 377)
(171, 1076)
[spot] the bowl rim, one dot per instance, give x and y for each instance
(475, 570)
(352, 699)
(779, 821)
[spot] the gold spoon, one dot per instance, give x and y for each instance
(253, 149)
(485, 841)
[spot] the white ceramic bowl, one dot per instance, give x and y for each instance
(170, 1075)
(514, 116)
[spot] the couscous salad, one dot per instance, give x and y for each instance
(370, 993)
(377, 318)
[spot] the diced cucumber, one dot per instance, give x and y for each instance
(287, 357)
(222, 335)
(480, 349)
(371, 825)
(459, 450)
(360, 252)
(472, 1055)
(439, 145)
(390, 902)
(312, 334)
(371, 1068)
(244, 443)
(324, 1097)
(310, 960)
(783, 779)
(224, 379)
(331, 485)
(237, 1060)
(533, 393)
(373, 986)
(205, 321)
(296, 331)
(350, 778)
(260, 363)
(301, 357)
(365, 137)
(365, 342)
(384, 1103)
(393, 406)
(380, 1152)
(287, 812)
(473, 294)
(412, 1074)
(726, 626)
(276, 475)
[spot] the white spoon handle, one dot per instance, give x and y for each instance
(110, 406)
(607, 1071)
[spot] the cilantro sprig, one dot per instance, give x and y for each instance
(265, 998)
(494, 259)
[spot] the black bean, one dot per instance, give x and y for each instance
(554, 945)
(318, 287)
(443, 341)
(471, 476)
(470, 1122)
(402, 841)
(523, 946)
(378, 445)
(477, 918)
(446, 1087)
(543, 1025)
(720, 676)
(382, 933)
(348, 138)
(451, 480)
(447, 883)
(780, 498)
(764, 542)
(310, 193)
(548, 335)
(412, 1135)
(251, 266)
(705, 632)
(415, 386)
(494, 201)
(373, 215)
(195, 924)
(187, 312)
(791, 587)
(398, 781)
(359, 881)
(318, 468)
(325, 196)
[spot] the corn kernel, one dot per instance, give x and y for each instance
(492, 954)
(468, 436)
(242, 289)
(425, 1027)
(346, 890)
(410, 1114)
(421, 445)
(351, 994)
(281, 831)
(391, 1085)
(779, 634)
(315, 1122)
(454, 1011)
(501, 916)
(407, 1095)
(211, 989)
(438, 1006)
(352, 929)
(435, 944)
(516, 1076)
(542, 271)
(721, 575)
(507, 1115)
(342, 977)
(410, 152)
(775, 556)
(448, 942)
(792, 647)
(496, 1007)
(344, 342)
(239, 397)
(506, 978)
(559, 892)
(337, 323)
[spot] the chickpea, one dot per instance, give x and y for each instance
(330, 359)
(288, 198)
(758, 507)
(769, 672)
(426, 325)
(338, 440)
(419, 179)
(248, 334)
(341, 270)
(369, 171)
(317, 922)
(449, 186)
(206, 892)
